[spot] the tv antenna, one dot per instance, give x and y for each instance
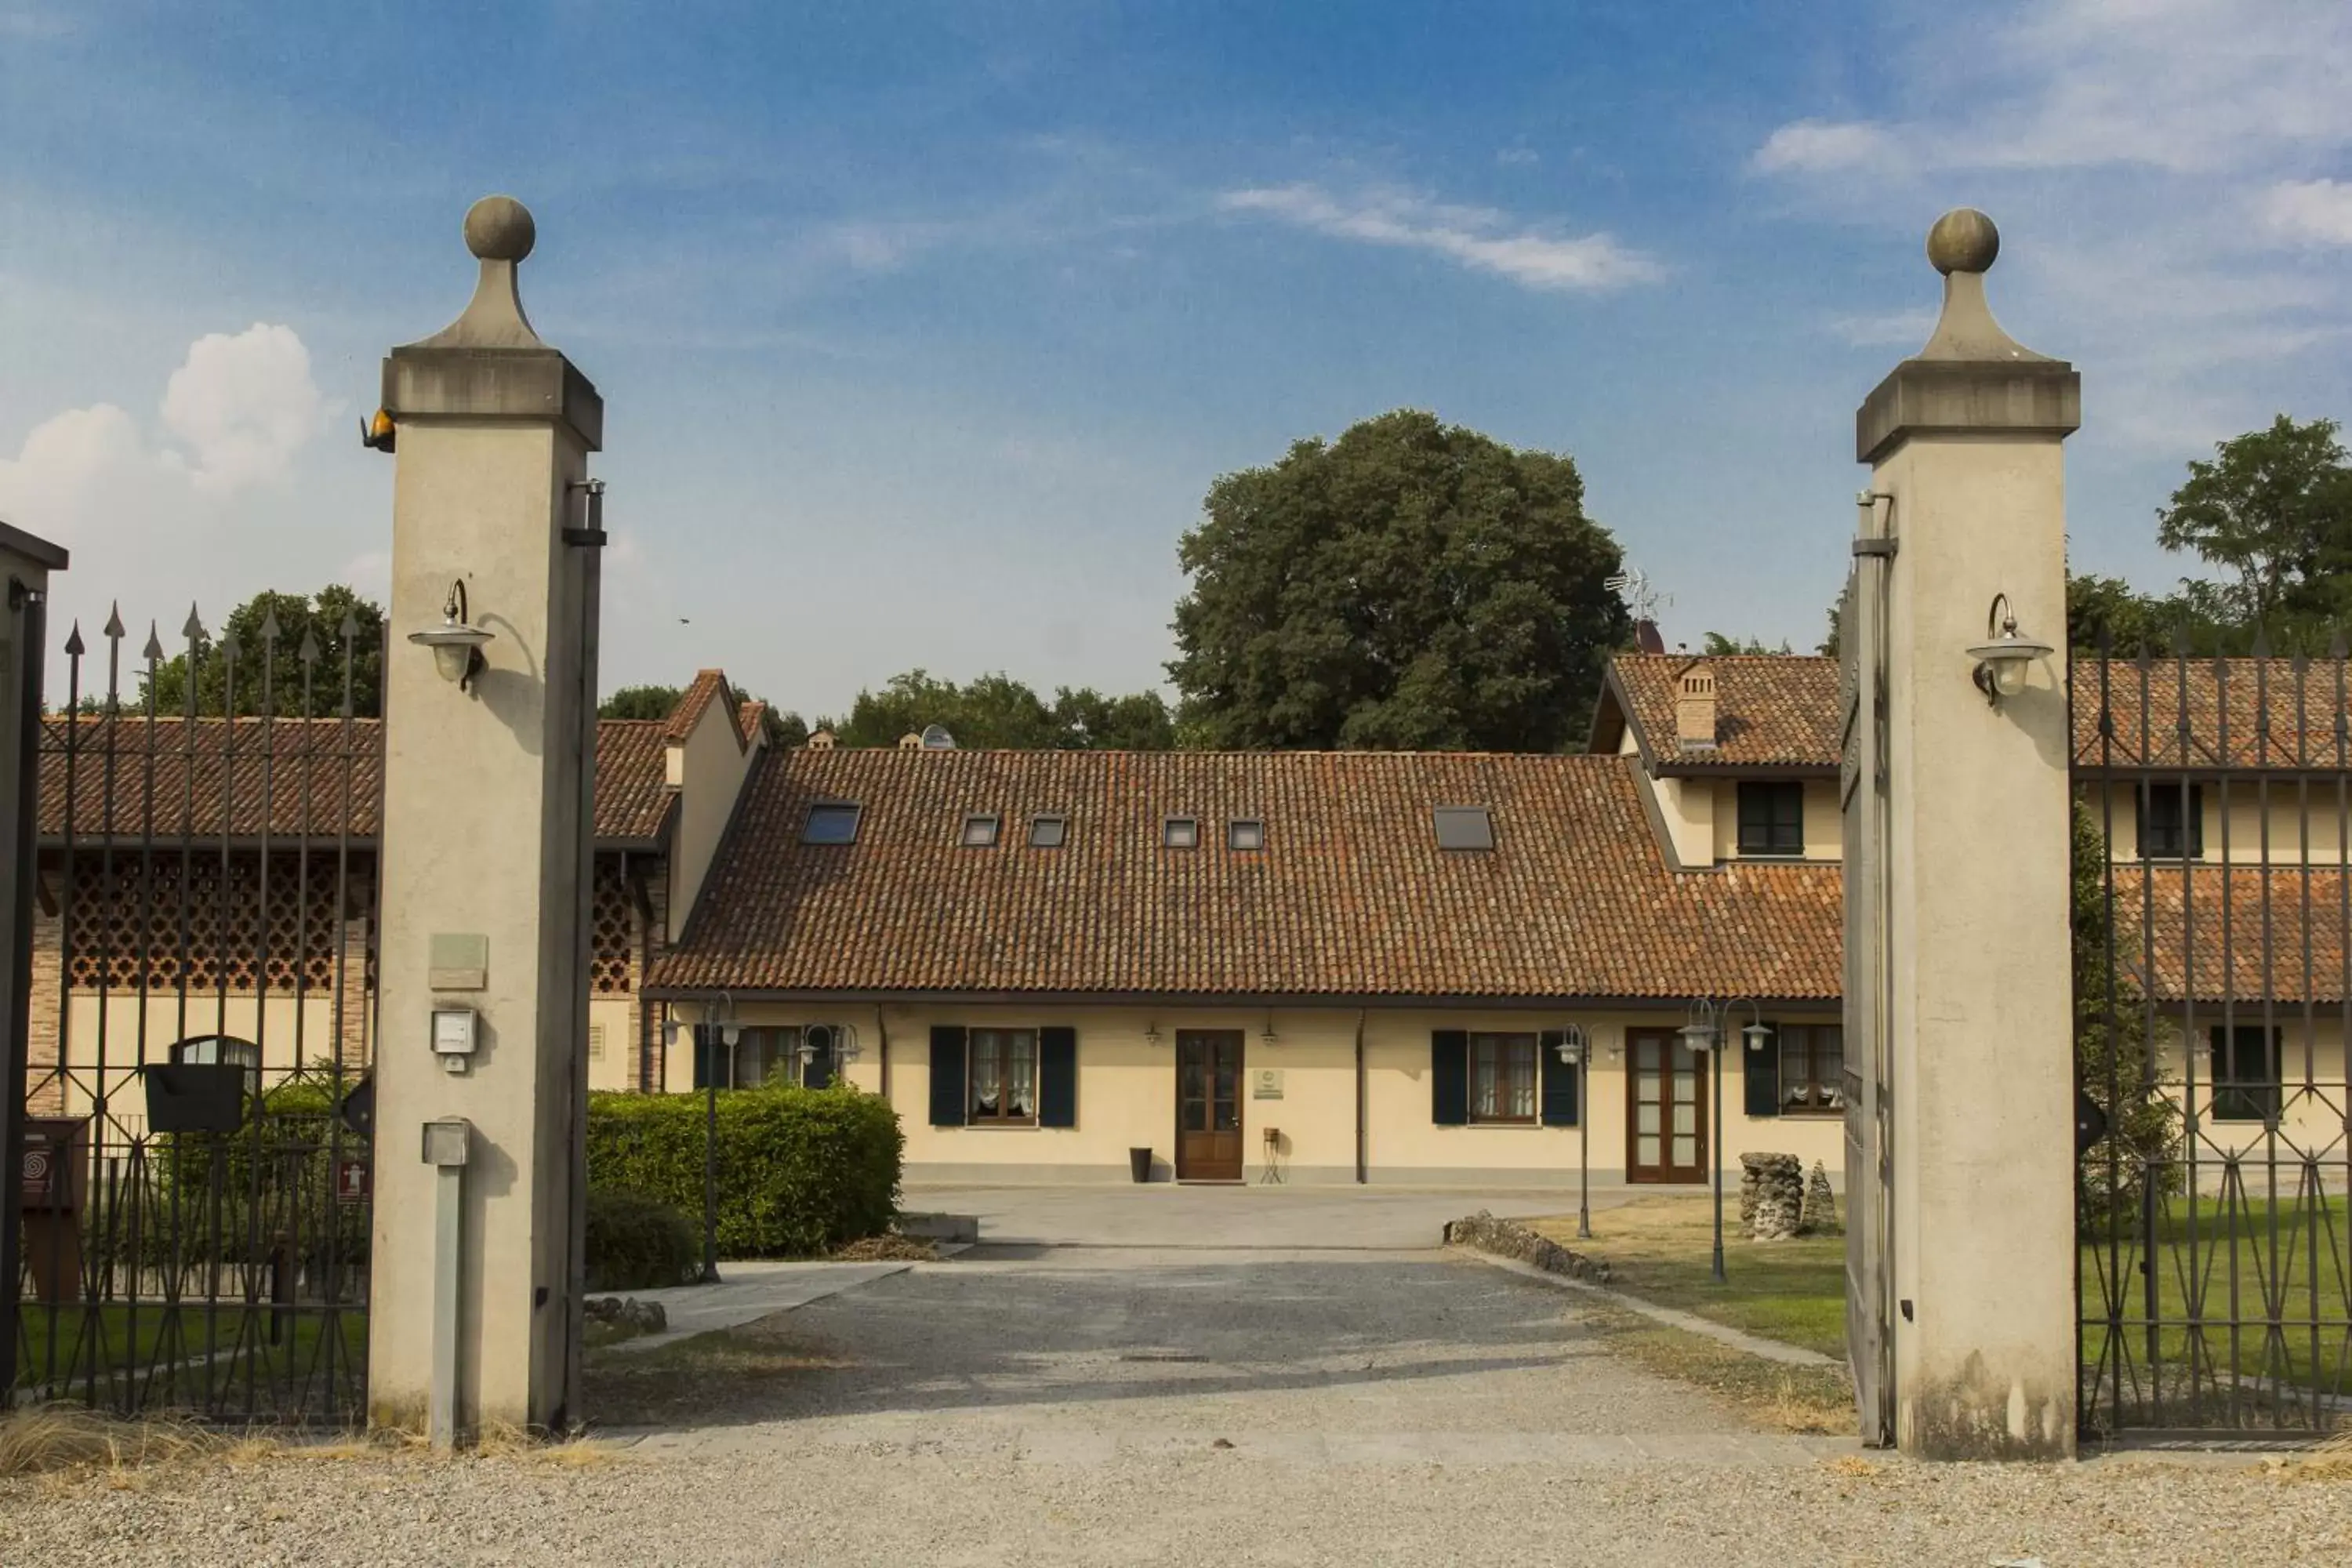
(1633, 585)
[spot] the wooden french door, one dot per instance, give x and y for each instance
(1208, 1105)
(1665, 1108)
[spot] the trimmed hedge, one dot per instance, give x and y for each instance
(801, 1171)
(637, 1244)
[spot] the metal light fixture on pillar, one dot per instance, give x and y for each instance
(2005, 655)
(456, 645)
(1702, 1035)
(1576, 1051)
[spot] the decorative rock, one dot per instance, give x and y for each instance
(1508, 1238)
(628, 1312)
(1820, 1215)
(1771, 1195)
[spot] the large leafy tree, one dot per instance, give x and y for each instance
(290, 647)
(2273, 511)
(640, 703)
(997, 710)
(1412, 584)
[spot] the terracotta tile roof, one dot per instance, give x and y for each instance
(633, 794)
(749, 716)
(2183, 912)
(1351, 897)
(209, 778)
(2240, 712)
(1772, 710)
(710, 685)
(219, 763)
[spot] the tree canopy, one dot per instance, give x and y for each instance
(996, 711)
(640, 703)
(333, 622)
(1411, 586)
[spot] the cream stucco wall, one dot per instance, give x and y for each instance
(708, 769)
(1127, 1097)
(610, 1050)
(1688, 806)
(2303, 818)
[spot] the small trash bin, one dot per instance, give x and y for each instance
(1139, 1163)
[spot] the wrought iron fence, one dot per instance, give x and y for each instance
(2213, 981)
(195, 1218)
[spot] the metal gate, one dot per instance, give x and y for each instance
(1869, 1168)
(195, 1147)
(2214, 998)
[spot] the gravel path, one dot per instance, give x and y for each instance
(1085, 1406)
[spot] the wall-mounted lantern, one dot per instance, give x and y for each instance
(1151, 1033)
(456, 645)
(2003, 658)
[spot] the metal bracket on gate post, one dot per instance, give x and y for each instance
(447, 1144)
(1884, 545)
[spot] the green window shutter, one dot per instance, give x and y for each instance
(1557, 1078)
(1449, 1077)
(1760, 1071)
(947, 1075)
(1057, 1077)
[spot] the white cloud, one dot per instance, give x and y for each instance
(244, 406)
(130, 503)
(2314, 211)
(1814, 146)
(1894, 328)
(1480, 238)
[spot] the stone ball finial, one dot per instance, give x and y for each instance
(1963, 240)
(499, 228)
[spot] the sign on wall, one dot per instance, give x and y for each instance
(1266, 1083)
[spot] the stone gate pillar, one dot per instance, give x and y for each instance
(489, 754)
(1964, 442)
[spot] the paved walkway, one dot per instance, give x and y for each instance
(1167, 1215)
(747, 1291)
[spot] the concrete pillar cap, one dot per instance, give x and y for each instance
(501, 232)
(1962, 246)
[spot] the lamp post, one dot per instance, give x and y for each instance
(1576, 1051)
(1704, 1034)
(718, 1024)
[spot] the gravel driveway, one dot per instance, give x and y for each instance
(1095, 1405)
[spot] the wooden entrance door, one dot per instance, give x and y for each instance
(1665, 1108)
(1208, 1105)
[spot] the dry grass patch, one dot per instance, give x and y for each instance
(48, 1439)
(1813, 1401)
(889, 1248)
(688, 1378)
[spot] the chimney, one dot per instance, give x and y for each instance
(1695, 708)
(822, 741)
(910, 742)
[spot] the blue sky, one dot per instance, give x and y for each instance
(923, 329)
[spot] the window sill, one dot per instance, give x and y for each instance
(1806, 1113)
(1536, 1126)
(1000, 1127)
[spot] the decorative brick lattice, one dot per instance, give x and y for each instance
(612, 932)
(211, 926)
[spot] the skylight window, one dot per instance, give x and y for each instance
(831, 822)
(979, 831)
(1463, 827)
(1048, 830)
(1182, 833)
(1245, 832)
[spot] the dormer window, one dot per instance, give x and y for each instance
(1181, 833)
(1773, 818)
(831, 822)
(979, 831)
(1463, 827)
(1245, 832)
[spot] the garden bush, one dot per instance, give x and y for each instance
(800, 1170)
(637, 1243)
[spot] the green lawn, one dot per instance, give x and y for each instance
(1661, 1249)
(158, 1357)
(1794, 1291)
(2209, 1341)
